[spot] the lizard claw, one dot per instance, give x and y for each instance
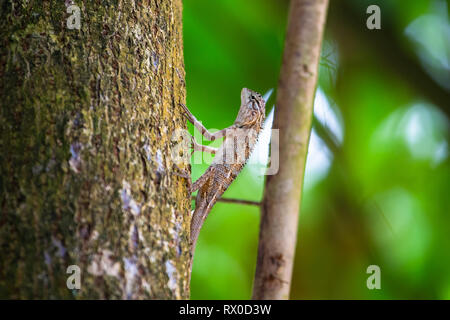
(183, 174)
(193, 143)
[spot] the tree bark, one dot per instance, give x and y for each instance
(86, 177)
(293, 117)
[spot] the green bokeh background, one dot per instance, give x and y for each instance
(381, 198)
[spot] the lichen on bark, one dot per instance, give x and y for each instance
(86, 177)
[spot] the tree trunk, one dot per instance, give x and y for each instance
(86, 176)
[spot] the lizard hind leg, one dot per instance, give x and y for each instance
(202, 180)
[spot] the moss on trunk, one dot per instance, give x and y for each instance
(86, 177)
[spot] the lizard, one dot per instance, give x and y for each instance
(239, 141)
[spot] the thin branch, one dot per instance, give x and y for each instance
(238, 201)
(326, 135)
(293, 118)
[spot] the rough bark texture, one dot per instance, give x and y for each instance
(86, 176)
(293, 117)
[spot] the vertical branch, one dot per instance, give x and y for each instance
(293, 117)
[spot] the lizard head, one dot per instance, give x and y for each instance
(253, 109)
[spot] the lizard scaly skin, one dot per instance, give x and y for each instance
(230, 158)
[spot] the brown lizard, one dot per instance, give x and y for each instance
(230, 158)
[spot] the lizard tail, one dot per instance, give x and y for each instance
(196, 224)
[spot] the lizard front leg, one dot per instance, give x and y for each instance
(200, 127)
(198, 147)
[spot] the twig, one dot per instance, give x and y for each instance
(293, 117)
(237, 201)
